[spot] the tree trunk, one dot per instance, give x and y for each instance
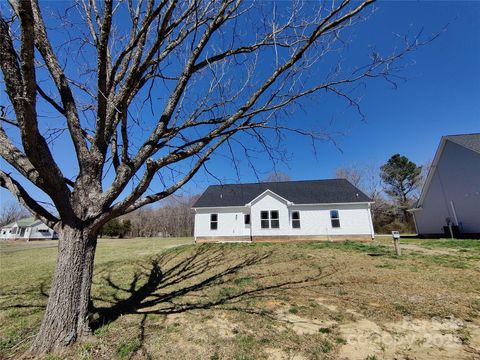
(67, 315)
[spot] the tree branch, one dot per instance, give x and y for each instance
(7, 182)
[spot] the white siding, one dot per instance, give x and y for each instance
(36, 232)
(456, 178)
(230, 222)
(315, 220)
(268, 202)
(355, 219)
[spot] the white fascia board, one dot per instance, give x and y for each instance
(342, 203)
(268, 191)
(219, 207)
(432, 170)
(289, 203)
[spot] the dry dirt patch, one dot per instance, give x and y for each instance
(303, 325)
(410, 338)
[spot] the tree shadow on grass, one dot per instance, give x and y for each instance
(173, 279)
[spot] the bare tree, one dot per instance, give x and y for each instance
(150, 89)
(173, 218)
(352, 173)
(277, 176)
(11, 211)
(366, 177)
(423, 178)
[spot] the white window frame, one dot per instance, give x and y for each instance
(269, 219)
(214, 221)
(298, 220)
(332, 219)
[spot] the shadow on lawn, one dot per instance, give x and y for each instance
(171, 276)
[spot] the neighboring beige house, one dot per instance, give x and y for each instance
(451, 193)
(27, 229)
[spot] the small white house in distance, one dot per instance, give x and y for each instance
(27, 229)
(451, 193)
(283, 211)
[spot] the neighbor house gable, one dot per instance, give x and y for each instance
(470, 142)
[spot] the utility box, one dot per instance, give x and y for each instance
(454, 233)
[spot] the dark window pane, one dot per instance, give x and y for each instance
(264, 215)
(213, 217)
(335, 223)
(274, 214)
(275, 224)
(296, 224)
(295, 215)
(334, 214)
(265, 224)
(213, 225)
(247, 219)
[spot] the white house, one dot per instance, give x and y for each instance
(27, 229)
(451, 193)
(283, 211)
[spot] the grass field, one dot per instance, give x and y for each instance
(171, 299)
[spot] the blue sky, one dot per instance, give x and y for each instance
(441, 96)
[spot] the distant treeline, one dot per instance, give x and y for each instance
(173, 218)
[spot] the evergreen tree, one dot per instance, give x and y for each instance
(401, 177)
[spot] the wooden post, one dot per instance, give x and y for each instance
(396, 243)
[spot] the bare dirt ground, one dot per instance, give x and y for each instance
(261, 301)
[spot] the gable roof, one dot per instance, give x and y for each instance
(271, 193)
(25, 222)
(468, 141)
(331, 191)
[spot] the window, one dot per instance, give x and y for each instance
(246, 219)
(45, 231)
(274, 221)
(264, 220)
(296, 220)
(269, 219)
(335, 218)
(213, 221)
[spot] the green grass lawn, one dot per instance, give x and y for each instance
(168, 298)
(435, 243)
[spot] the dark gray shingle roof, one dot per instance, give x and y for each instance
(298, 192)
(470, 141)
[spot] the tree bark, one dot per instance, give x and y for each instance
(67, 314)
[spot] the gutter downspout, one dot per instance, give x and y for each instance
(249, 209)
(414, 220)
(370, 221)
(251, 236)
(454, 212)
(194, 227)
